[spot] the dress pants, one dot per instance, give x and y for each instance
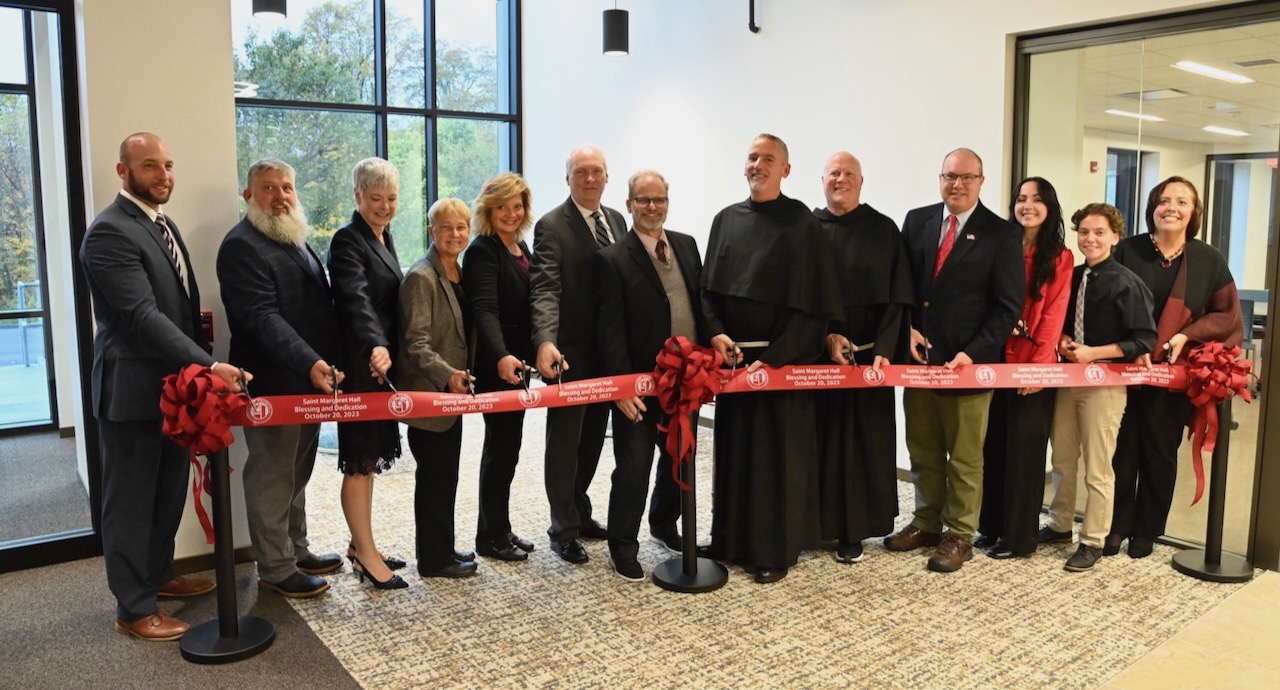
(1087, 420)
(275, 483)
(1017, 442)
(575, 437)
(633, 445)
(503, 432)
(144, 479)
(1146, 460)
(945, 434)
(435, 491)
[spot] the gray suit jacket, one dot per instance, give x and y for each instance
(433, 339)
(561, 284)
(147, 325)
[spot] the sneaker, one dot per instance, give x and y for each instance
(627, 570)
(849, 553)
(668, 539)
(1083, 559)
(1049, 535)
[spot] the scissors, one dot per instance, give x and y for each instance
(735, 347)
(386, 379)
(848, 351)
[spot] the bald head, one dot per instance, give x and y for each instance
(842, 183)
(146, 168)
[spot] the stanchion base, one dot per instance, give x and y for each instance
(204, 644)
(709, 576)
(1232, 568)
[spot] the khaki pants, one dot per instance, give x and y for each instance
(1086, 421)
(945, 434)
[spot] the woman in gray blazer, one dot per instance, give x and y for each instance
(434, 356)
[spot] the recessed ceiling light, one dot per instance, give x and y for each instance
(1137, 116)
(1224, 130)
(1212, 72)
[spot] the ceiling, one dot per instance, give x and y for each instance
(1112, 77)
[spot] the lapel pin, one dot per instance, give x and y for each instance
(969, 237)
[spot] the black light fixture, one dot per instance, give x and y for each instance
(269, 9)
(616, 41)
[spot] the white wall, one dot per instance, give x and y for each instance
(898, 83)
(166, 67)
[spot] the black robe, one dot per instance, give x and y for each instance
(857, 428)
(767, 276)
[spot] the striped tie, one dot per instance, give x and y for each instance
(173, 247)
(1084, 280)
(602, 232)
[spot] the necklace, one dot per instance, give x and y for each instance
(1166, 261)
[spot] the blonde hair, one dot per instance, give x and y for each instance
(496, 191)
(448, 205)
(375, 173)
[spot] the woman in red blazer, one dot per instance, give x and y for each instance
(1021, 419)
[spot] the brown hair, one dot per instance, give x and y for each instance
(1153, 200)
(1114, 218)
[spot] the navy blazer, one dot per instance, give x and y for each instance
(147, 325)
(280, 312)
(498, 292)
(633, 318)
(561, 284)
(976, 299)
(366, 279)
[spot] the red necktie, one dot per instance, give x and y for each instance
(661, 251)
(948, 241)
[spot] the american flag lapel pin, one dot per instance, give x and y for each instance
(969, 236)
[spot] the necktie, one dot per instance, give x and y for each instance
(661, 251)
(948, 241)
(602, 232)
(173, 247)
(1079, 325)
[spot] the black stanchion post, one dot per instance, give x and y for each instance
(1210, 563)
(230, 637)
(689, 574)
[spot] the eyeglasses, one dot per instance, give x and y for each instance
(647, 200)
(952, 178)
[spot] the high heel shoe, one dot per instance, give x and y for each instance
(393, 582)
(392, 562)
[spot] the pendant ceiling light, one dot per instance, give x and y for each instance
(616, 41)
(269, 9)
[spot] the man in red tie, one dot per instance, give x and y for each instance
(968, 270)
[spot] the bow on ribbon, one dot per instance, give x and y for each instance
(1214, 373)
(687, 376)
(195, 405)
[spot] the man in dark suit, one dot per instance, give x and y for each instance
(561, 299)
(647, 286)
(969, 279)
(147, 308)
(283, 323)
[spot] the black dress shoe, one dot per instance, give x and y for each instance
(1001, 551)
(984, 541)
(570, 550)
(319, 564)
(454, 569)
(593, 530)
(463, 556)
(504, 551)
(669, 539)
(766, 575)
(296, 586)
(523, 544)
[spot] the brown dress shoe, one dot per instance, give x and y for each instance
(951, 553)
(187, 587)
(910, 538)
(158, 627)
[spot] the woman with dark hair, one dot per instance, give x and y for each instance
(1195, 302)
(1021, 419)
(497, 282)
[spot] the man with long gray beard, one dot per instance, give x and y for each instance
(281, 316)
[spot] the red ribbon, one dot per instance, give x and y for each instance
(196, 406)
(1214, 373)
(687, 376)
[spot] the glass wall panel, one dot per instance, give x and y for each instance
(13, 62)
(467, 55)
(407, 142)
(468, 156)
(1110, 122)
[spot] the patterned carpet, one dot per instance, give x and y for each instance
(885, 622)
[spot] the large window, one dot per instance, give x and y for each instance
(431, 85)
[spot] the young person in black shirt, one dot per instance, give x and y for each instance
(1108, 319)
